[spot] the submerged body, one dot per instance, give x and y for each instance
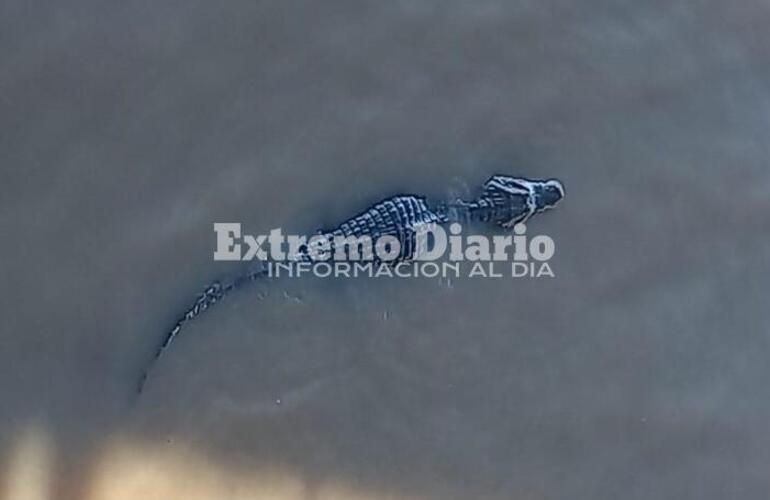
(504, 201)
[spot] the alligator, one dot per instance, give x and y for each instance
(504, 201)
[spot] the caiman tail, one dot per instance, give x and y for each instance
(214, 293)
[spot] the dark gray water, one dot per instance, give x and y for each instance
(639, 372)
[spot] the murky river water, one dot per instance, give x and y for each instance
(640, 371)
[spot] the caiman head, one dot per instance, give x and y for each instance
(520, 198)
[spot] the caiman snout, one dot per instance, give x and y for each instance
(548, 193)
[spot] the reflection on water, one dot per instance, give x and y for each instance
(29, 466)
(126, 471)
(123, 470)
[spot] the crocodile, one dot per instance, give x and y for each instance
(504, 201)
